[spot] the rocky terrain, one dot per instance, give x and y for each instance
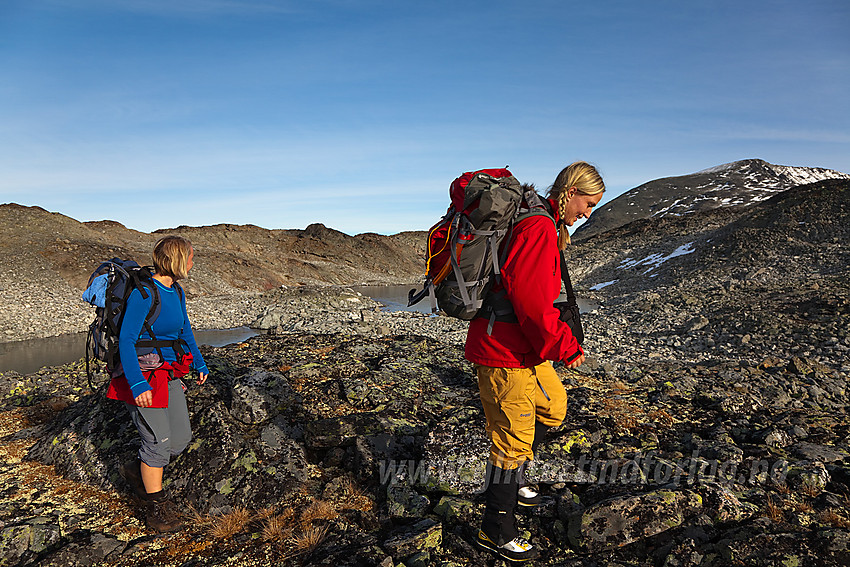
(47, 259)
(708, 427)
(735, 184)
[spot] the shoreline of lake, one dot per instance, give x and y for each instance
(383, 310)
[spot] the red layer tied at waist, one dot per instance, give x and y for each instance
(158, 379)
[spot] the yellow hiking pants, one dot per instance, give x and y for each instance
(513, 399)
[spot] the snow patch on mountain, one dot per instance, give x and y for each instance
(655, 260)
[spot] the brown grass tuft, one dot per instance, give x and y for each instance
(809, 489)
(802, 507)
(322, 352)
(278, 528)
(781, 488)
(310, 538)
(196, 518)
(832, 518)
(318, 510)
(353, 497)
(228, 525)
(661, 417)
(774, 512)
(264, 513)
(44, 411)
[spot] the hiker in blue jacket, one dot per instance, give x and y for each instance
(150, 383)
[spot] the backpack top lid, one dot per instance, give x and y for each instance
(457, 190)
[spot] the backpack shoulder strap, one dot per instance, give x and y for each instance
(534, 206)
(568, 284)
(156, 304)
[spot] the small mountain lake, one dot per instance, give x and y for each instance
(30, 355)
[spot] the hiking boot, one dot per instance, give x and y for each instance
(162, 515)
(132, 474)
(529, 495)
(518, 549)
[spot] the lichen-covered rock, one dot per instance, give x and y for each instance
(223, 465)
(620, 521)
(722, 505)
(85, 550)
(835, 543)
(808, 473)
(405, 502)
(259, 395)
(423, 536)
(818, 452)
(456, 509)
(23, 541)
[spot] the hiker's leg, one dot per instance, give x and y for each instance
(178, 418)
(152, 477)
(155, 432)
(550, 400)
(507, 395)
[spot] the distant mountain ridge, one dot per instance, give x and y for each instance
(229, 258)
(739, 183)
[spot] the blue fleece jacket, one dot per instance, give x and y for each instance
(172, 323)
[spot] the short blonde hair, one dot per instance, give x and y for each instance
(587, 181)
(171, 257)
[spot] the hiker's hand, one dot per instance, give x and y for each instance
(145, 399)
(202, 377)
(577, 362)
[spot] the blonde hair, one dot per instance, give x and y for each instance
(171, 257)
(586, 180)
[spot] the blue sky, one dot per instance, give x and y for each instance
(358, 114)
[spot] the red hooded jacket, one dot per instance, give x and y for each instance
(531, 278)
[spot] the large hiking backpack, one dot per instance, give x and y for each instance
(463, 259)
(108, 289)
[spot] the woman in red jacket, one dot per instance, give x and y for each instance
(520, 391)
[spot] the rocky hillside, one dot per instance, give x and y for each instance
(48, 257)
(798, 236)
(228, 257)
(740, 183)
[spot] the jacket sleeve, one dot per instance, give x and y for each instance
(134, 317)
(531, 277)
(188, 335)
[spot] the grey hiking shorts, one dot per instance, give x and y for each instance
(165, 432)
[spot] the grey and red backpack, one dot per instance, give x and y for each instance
(465, 248)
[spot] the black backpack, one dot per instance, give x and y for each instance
(121, 277)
